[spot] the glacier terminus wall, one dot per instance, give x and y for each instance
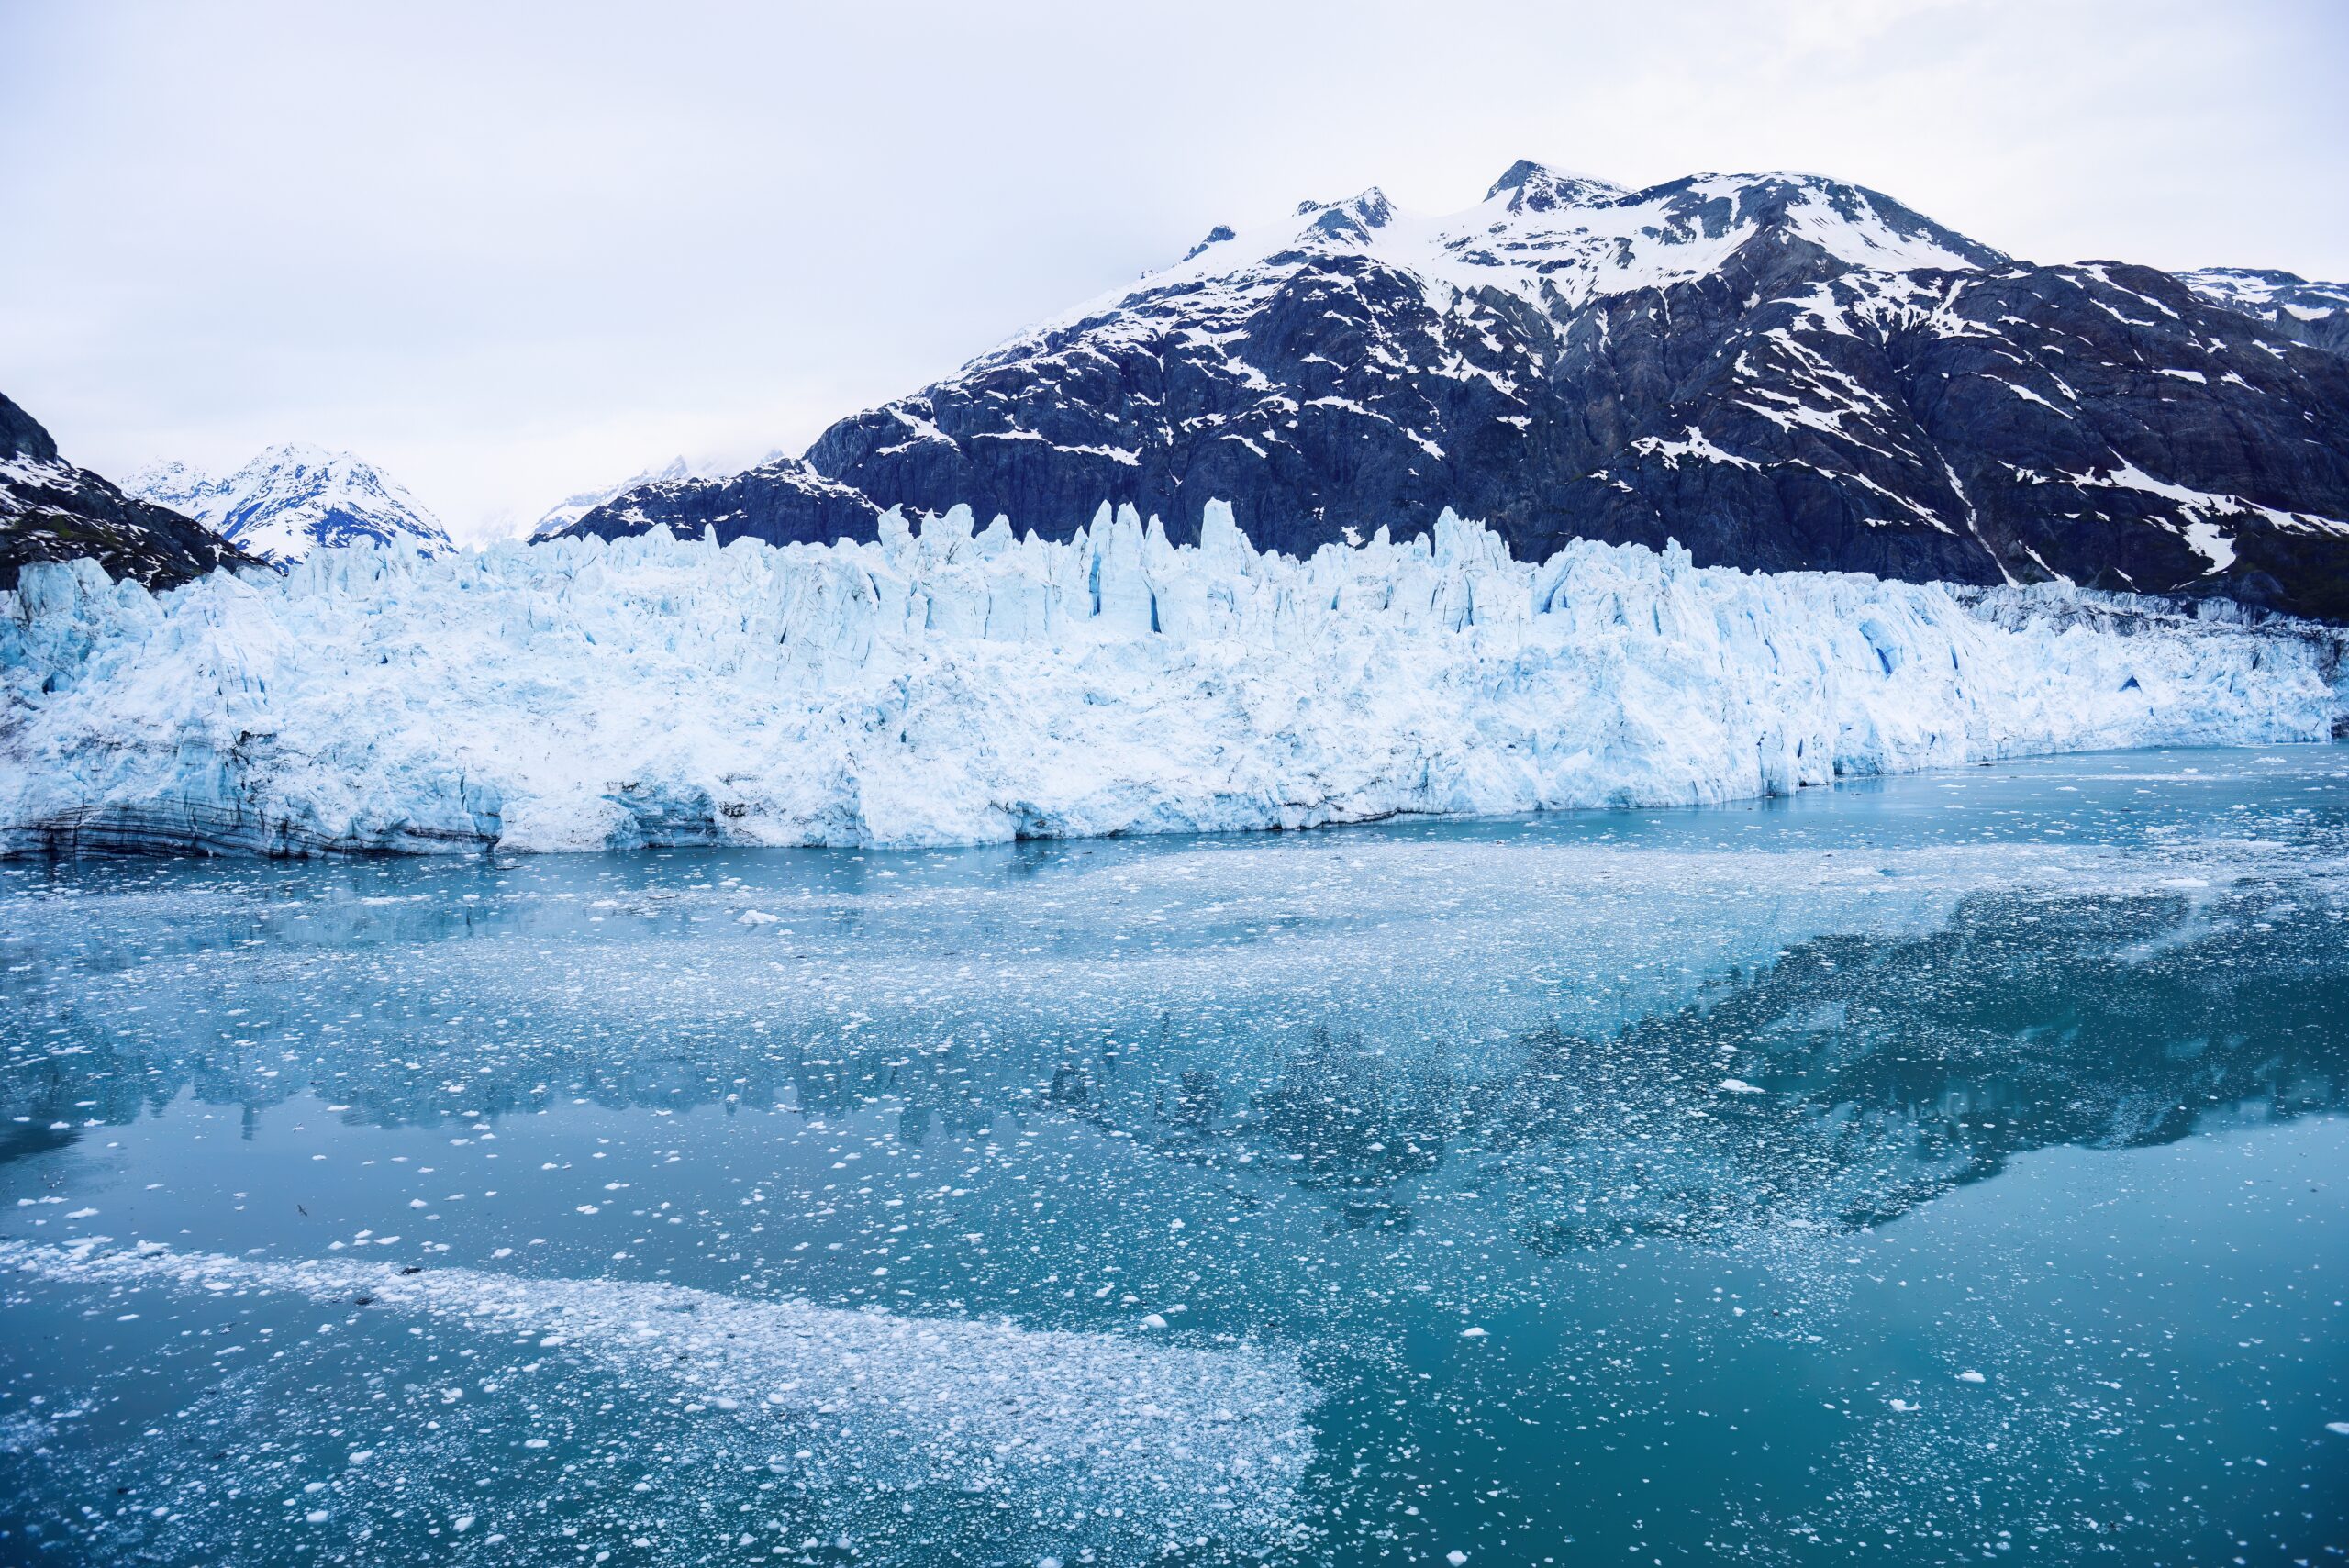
(954, 685)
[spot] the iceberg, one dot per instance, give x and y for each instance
(954, 685)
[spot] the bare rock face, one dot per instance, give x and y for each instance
(1780, 372)
(51, 510)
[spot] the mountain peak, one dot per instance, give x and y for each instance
(1540, 189)
(300, 452)
(1779, 370)
(1216, 236)
(1351, 219)
(293, 496)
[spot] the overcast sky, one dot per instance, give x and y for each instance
(509, 252)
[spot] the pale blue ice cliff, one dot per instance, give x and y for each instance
(968, 687)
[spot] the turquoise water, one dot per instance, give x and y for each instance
(1944, 1168)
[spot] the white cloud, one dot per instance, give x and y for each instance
(511, 251)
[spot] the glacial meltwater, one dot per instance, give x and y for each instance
(1945, 1169)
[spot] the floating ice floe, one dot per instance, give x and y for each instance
(965, 687)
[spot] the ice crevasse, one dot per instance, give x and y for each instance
(957, 686)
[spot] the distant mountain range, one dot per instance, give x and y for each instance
(51, 510)
(1779, 370)
(291, 499)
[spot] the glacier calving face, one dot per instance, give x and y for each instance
(964, 686)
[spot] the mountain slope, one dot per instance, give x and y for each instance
(292, 498)
(782, 501)
(2311, 313)
(573, 508)
(51, 510)
(1779, 371)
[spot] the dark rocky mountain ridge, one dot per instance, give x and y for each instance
(51, 510)
(1779, 370)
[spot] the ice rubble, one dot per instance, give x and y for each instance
(964, 686)
(1162, 1440)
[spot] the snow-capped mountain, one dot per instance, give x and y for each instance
(2312, 313)
(293, 498)
(51, 510)
(1779, 371)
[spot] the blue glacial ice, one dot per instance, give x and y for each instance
(962, 686)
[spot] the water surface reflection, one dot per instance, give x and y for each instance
(1551, 1164)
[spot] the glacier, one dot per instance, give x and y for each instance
(952, 685)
